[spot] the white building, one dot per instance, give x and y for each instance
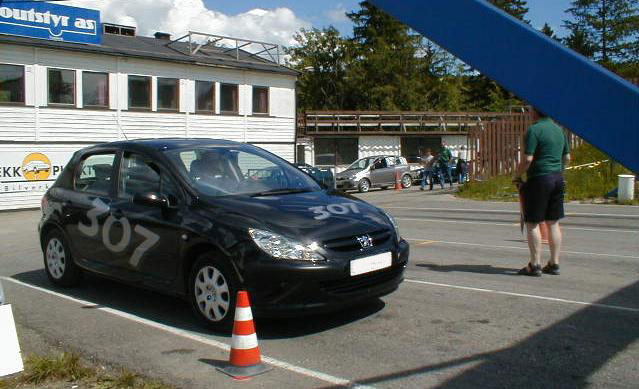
(57, 97)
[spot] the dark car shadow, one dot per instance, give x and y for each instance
(482, 269)
(175, 312)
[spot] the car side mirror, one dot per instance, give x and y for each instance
(151, 199)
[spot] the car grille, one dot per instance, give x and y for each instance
(357, 283)
(351, 244)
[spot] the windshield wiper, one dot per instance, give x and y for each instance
(274, 192)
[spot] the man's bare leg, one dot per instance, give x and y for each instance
(534, 243)
(555, 239)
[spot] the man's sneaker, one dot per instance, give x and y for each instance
(530, 270)
(551, 268)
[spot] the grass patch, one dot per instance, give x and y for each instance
(66, 370)
(586, 184)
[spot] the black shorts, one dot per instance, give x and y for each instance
(544, 198)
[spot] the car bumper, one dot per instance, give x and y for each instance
(345, 184)
(286, 289)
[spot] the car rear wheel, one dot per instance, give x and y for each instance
(407, 181)
(364, 185)
(58, 262)
(212, 289)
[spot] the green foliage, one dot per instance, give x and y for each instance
(609, 27)
(548, 31)
(65, 367)
(584, 184)
(517, 8)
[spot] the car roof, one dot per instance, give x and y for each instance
(163, 144)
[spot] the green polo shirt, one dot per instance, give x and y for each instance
(547, 143)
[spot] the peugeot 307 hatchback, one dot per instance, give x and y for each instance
(203, 219)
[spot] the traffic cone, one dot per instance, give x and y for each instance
(398, 182)
(245, 360)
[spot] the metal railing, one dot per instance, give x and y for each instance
(246, 50)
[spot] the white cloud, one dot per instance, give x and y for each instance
(338, 14)
(177, 17)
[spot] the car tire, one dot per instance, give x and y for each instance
(58, 261)
(364, 185)
(407, 181)
(213, 287)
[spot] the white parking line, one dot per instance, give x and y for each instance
(506, 211)
(532, 296)
(195, 337)
(517, 248)
(511, 224)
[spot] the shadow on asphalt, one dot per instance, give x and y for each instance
(482, 269)
(176, 312)
(563, 355)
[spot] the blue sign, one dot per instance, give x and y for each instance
(50, 21)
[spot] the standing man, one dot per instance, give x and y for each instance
(443, 159)
(546, 152)
(427, 170)
(462, 164)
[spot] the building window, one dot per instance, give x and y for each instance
(260, 100)
(61, 87)
(11, 84)
(168, 94)
(205, 96)
(418, 146)
(229, 99)
(335, 151)
(95, 90)
(140, 92)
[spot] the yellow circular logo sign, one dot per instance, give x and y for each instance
(36, 167)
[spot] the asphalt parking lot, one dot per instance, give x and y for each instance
(462, 318)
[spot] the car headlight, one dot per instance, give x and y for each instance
(394, 223)
(282, 247)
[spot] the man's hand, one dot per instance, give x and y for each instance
(518, 182)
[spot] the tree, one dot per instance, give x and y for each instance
(322, 56)
(517, 8)
(388, 74)
(578, 40)
(548, 31)
(610, 26)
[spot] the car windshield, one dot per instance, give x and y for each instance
(239, 170)
(359, 164)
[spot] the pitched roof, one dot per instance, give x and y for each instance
(158, 49)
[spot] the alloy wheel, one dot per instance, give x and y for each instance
(212, 293)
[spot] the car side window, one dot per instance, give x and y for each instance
(390, 162)
(140, 175)
(94, 174)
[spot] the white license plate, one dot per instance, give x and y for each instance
(372, 263)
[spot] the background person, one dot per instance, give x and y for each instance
(443, 159)
(427, 169)
(546, 151)
(462, 164)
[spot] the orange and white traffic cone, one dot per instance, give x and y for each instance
(245, 360)
(398, 181)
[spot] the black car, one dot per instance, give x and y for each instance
(203, 219)
(324, 176)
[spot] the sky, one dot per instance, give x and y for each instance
(273, 21)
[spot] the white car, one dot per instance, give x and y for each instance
(36, 167)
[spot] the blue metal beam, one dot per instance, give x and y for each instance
(594, 103)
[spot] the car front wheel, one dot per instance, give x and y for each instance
(364, 185)
(407, 181)
(213, 287)
(58, 262)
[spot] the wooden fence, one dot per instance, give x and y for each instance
(496, 147)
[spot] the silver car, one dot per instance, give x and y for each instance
(379, 171)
